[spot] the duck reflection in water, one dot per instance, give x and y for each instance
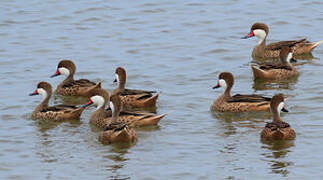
(276, 151)
(260, 84)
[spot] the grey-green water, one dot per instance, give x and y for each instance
(177, 48)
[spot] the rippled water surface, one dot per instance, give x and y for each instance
(175, 47)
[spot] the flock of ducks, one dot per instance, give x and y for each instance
(116, 113)
(117, 121)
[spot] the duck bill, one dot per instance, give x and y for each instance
(34, 93)
(217, 86)
(284, 109)
(251, 34)
(293, 60)
(87, 104)
(56, 74)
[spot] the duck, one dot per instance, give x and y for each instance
(277, 129)
(131, 98)
(71, 87)
(56, 113)
(284, 70)
(264, 51)
(238, 102)
(102, 118)
(118, 132)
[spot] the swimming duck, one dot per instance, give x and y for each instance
(261, 50)
(58, 112)
(71, 87)
(238, 102)
(102, 118)
(277, 129)
(117, 132)
(277, 71)
(133, 98)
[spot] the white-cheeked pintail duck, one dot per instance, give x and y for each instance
(114, 113)
(71, 87)
(284, 70)
(56, 113)
(132, 98)
(277, 129)
(238, 102)
(264, 51)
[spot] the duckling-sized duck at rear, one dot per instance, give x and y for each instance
(263, 51)
(71, 87)
(117, 132)
(56, 113)
(284, 70)
(114, 131)
(102, 118)
(277, 129)
(238, 102)
(133, 98)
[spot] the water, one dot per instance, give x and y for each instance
(177, 48)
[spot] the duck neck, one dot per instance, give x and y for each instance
(115, 115)
(276, 115)
(99, 113)
(44, 103)
(122, 84)
(262, 42)
(227, 92)
(68, 79)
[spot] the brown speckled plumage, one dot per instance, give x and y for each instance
(277, 129)
(56, 113)
(118, 132)
(284, 70)
(133, 98)
(264, 51)
(238, 103)
(71, 87)
(103, 118)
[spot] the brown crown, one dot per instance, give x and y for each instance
(228, 77)
(100, 92)
(68, 64)
(45, 85)
(275, 100)
(260, 25)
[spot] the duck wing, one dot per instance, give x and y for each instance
(129, 113)
(278, 45)
(274, 66)
(276, 125)
(248, 98)
(136, 92)
(62, 107)
(80, 82)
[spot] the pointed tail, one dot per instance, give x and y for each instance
(150, 102)
(258, 73)
(314, 45)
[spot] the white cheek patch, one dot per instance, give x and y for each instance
(64, 71)
(117, 78)
(112, 107)
(289, 57)
(42, 92)
(223, 83)
(280, 107)
(98, 101)
(260, 34)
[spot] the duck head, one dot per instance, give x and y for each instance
(260, 30)
(65, 67)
